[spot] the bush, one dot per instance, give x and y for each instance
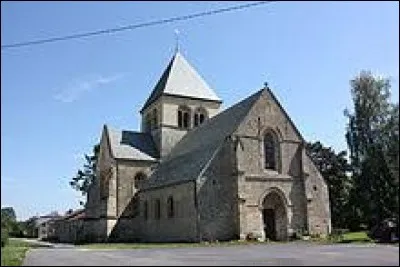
(4, 237)
(385, 231)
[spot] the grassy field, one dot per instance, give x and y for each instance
(351, 237)
(14, 252)
(356, 237)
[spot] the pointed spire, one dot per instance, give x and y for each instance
(181, 79)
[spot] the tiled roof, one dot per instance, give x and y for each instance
(132, 145)
(181, 79)
(190, 156)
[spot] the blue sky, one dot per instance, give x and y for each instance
(55, 97)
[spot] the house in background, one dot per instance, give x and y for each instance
(44, 226)
(68, 228)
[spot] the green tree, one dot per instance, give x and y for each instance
(85, 177)
(9, 222)
(8, 213)
(373, 139)
(334, 168)
(31, 227)
(8, 219)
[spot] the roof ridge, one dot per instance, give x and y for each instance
(180, 78)
(220, 117)
(131, 145)
(195, 150)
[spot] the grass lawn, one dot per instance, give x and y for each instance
(356, 237)
(351, 237)
(14, 252)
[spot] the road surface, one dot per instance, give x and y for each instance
(258, 254)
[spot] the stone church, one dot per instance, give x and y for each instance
(195, 172)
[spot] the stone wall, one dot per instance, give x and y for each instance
(148, 112)
(95, 230)
(70, 231)
(167, 135)
(217, 197)
(127, 227)
(126, 186)
(170, 106)
(255, 181)
(181, 227)
(318, 209)
(47, 230)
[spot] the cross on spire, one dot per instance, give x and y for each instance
(176, 40)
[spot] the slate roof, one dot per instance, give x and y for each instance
(48, 217)
(132, 145)
(181, 79)
(77, 214)
(190, 156)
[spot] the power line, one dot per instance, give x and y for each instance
(135, 26)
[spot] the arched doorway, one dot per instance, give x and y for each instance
(274, 216)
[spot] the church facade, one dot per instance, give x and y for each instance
(195, 173)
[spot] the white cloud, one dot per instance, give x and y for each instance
(75, 90)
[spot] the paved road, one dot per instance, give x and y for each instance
(263, 254)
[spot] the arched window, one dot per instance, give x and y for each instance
(154, 118)
(157, 209)
(138, 180)
(146, 210)
(170, 205)
(271, 151)
(184, 117)
(199, 116)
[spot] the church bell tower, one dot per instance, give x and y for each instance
(180, 102)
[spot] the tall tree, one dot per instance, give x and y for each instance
(86, 176)
(9, 222)
(373, 139)
(8, 213)
(334, 168)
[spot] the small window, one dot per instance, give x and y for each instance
(199, 116)
(170, 205)
(157, 209)
(315, 187)
(202, 118)
(196, 120)
(180, 119)
(270, 151)
(138, 180)
(186, 120)
(184, 117)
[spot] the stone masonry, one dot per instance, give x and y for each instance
(239, 172)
